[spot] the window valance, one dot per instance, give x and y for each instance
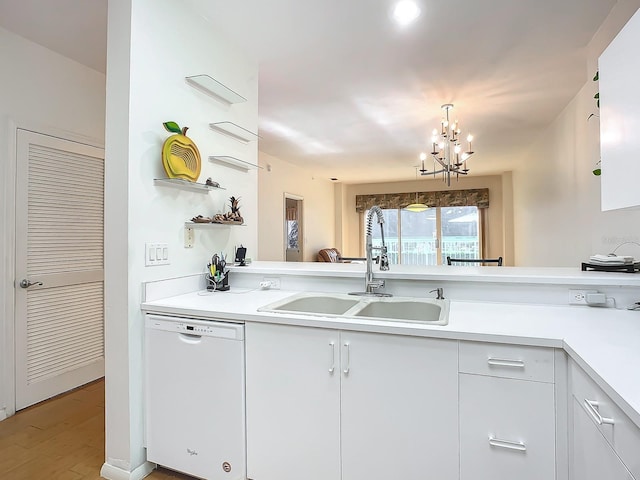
(447, 198)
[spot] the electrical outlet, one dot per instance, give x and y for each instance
(274, 282)
(579, 297)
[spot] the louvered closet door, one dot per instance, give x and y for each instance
(59, 325)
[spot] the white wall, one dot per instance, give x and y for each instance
(146, 87)
(557, 215)
(278, 177)
(44, 91)
(351, 243)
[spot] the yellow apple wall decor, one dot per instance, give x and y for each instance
(180, 156)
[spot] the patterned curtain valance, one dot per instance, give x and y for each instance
(448, 198)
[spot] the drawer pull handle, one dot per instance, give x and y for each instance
(333, 358)
(592, 408)
(495, 442)
(505, 362)
(347, 358)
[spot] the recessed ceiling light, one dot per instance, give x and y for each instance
(405, 12)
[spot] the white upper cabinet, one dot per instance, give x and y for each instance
(619, 68)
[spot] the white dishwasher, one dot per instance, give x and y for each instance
(195, 396)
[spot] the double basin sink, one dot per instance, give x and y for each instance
(404, 309)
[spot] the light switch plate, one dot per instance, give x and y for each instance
(156, 254)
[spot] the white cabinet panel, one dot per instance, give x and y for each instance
(293, 403)
(618, 429)
(619, 68)
(507, 429)
(592, 457)
(507, 361)
(399, 409)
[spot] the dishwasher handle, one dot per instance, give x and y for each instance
(190, 338)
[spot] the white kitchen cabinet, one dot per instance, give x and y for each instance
(619, 118)
(293, 403)
(399, 409)
(592, 458)
(609, 424)
(330, 405)
(507, 429)
(507, 412)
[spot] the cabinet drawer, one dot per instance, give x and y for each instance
(507, 361)
(592, 458)
(621, 433)
(507, 429)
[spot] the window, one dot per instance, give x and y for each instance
(427, 238)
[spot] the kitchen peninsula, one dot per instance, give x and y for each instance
(518, 382)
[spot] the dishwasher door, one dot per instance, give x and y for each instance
(194, 396)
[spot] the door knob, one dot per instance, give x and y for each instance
(26, 283)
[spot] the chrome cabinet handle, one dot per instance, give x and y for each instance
(27, 283)
(505, 362)
(347, 356)
(333, 357)
(495, 442)
(592, 408)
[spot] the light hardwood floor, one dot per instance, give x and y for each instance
(60, 439)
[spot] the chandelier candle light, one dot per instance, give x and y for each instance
(446, 150)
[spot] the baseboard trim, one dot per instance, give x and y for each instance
(3, 414)
(114, 473)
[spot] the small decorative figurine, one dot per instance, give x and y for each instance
(201, 219)
(211, 183)
(230, 217)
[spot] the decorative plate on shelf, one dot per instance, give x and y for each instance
(180, 156)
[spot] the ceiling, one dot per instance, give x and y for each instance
(347, 93)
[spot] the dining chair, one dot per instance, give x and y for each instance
(474, 261)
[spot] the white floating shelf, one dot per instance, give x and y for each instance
(212, 225)
(185, 185)
(234, 131)
(233, 161)
(214, 88)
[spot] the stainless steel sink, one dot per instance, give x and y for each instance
(313, 304)
(404, 309)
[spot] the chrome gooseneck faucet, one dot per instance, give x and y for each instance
(371, 284)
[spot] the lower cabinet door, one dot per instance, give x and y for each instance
(293, 403)
(507, 429)
(592, 458)
(399, 407)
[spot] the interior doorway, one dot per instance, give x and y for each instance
(59, 276)
(293, 231)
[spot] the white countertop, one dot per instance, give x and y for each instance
(605, 342)
(522, 275)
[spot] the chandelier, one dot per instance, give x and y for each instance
(446, 150)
